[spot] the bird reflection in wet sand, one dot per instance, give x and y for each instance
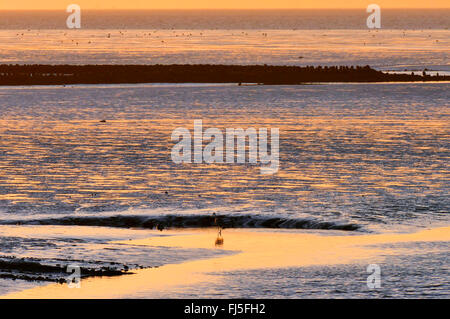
(219, 239)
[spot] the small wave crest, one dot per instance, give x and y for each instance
(189, 221)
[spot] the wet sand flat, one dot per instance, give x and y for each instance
(254, 250)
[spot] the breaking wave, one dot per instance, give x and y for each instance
(189, 221)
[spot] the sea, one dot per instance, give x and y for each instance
(354, 158)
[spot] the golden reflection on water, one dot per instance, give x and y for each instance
(127, 160)
(87, 46)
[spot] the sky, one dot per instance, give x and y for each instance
(216, 4)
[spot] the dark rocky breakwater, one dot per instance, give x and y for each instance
(202, 73)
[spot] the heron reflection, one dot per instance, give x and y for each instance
(219, 239)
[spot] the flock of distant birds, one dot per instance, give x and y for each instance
(149, 34)
(184, 34)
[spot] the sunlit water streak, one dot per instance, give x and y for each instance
(408, 40)
(384, 49)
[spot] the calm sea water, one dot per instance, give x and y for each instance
(423, 274)
(409, 39)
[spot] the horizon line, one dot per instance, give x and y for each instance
(221, 9)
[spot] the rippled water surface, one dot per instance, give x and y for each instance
(371, 154)
(354, 158)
